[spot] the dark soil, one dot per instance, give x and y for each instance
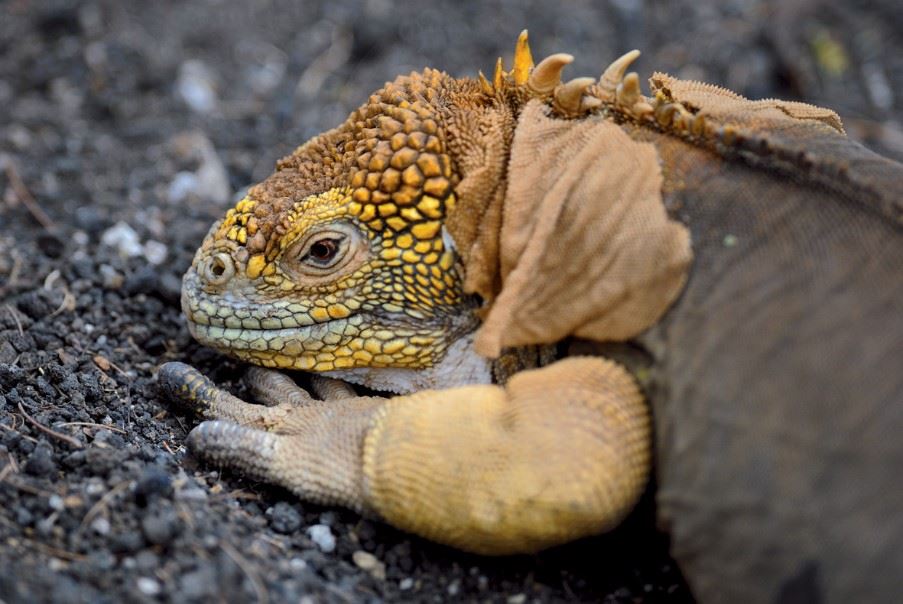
(156, 115)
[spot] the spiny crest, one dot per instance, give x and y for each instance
(570, 99)
(616, 89)
(523, 59)
(617, 92)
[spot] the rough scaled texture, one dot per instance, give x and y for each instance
(578, 233)
(494, 470)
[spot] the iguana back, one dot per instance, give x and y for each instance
(778, 374)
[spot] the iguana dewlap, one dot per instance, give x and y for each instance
(451, 229)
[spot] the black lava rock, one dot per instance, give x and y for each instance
(51, 245)
(102, 460)
(40, 462)
(161, 526)
(39, 303)
(154, 482)
(142, 281)
(284, 518)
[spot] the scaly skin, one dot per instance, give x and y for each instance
(391, 310)
(448, 232)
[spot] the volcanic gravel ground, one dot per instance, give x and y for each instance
(126, 128)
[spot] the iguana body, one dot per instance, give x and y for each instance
(450, 222)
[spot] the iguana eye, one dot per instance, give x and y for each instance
(325, 252)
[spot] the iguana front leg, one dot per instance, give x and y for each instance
(488, 469)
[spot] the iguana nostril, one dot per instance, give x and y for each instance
(218, 269)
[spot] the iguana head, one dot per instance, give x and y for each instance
(340, 259)
(346, 256)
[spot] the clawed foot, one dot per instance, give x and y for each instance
(310, 446)
(557, 453)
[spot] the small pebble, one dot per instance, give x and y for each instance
(155, 252)
(517, 599)
(102, 559)
(210, 181)
(322, 536)
(24, 517)
(145, 280)
(101, 526)
(199, 584)
(266, 67)
(40, 462)
(406, 584)
(56, 565)
(45, 527)
(182, 185)
(8, 354)
(370, 563)
(110, 277)
(879, 88)
(153, 481)
(90, 219)
(80, 238)
(95, 486)
(171, 287)
(18, 135)
(122, 238)
(284, 518)
(51, 245)
(127, 542)
(147, 561)
(328, 518)
(160, 528)
(148, 586)
(191, 493)
(196, 86)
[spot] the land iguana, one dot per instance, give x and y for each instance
(454, 236)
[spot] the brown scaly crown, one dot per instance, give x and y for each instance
(387, 167)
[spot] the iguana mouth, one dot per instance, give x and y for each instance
(234, 310)
(285, 334)
(291, 348)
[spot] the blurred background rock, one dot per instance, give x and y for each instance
(252, 79)
(259, 77)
